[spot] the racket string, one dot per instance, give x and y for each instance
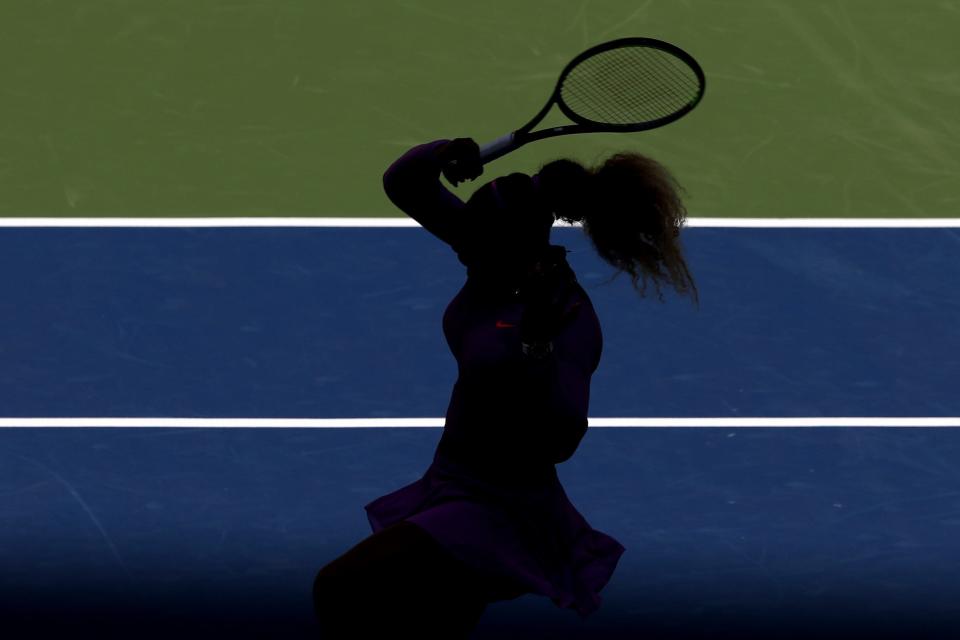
(663, 80)
(670, 66)
(628, 85)
(652, 97)
(642, 88)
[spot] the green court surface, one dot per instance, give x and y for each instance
(840, 108)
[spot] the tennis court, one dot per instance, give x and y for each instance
(219, 340)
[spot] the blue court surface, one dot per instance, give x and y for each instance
(731, 531)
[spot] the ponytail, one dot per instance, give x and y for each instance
(631, 210)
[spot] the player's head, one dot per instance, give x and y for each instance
(511, 214)
(631, 210)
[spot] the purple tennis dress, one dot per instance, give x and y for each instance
(491, 496)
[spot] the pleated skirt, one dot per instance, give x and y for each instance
(521, 536)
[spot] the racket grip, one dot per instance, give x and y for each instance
(501, 146)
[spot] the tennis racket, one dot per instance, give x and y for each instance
(630, 84)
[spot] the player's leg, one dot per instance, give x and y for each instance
(399, 581)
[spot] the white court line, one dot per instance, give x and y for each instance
(381, 423)
(777, 223)
(438, 422)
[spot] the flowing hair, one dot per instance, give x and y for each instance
(631, 210)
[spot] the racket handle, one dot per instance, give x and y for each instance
(500, 146)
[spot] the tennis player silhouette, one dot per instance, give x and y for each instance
(489, 519)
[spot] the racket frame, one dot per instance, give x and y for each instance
(516, 139)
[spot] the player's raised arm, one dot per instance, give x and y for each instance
(412, 183)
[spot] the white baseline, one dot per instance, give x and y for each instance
(432, 423)
(306, 222)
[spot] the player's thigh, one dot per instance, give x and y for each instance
(400, 569)
(378, 552)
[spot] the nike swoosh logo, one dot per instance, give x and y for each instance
(504, 325)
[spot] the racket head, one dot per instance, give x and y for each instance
(663, 83)
(629, 84)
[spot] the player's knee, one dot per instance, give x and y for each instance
(332, 605)
(326, 587)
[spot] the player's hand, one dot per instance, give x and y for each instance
(460, 159)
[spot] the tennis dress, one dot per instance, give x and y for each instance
(491, 496)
